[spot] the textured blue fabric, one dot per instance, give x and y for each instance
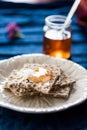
(30, 18)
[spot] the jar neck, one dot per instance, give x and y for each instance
(56, 22)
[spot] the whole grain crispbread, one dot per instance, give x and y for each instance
(61, 92)
(64, 80)
(44, 87)
(18, 81)
(20, 88)
(60, 85)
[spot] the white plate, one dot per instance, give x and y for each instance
(42, 104)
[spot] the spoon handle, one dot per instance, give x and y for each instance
(70, 14)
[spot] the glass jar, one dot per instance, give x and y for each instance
(55, 43)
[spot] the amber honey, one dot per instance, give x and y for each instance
(56, 44)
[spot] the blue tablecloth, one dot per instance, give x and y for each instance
(30, 18)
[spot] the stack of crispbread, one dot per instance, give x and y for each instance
(59, 85)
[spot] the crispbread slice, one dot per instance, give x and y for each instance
(44, 87)
(61, 92)
(19, 83)
(20, 88)
(64, 80)
(59, 86)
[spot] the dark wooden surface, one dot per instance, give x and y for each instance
(30, 18)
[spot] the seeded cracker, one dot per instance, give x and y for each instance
(63, 81)
(20, 85)
(61, 92)
(45, 87)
